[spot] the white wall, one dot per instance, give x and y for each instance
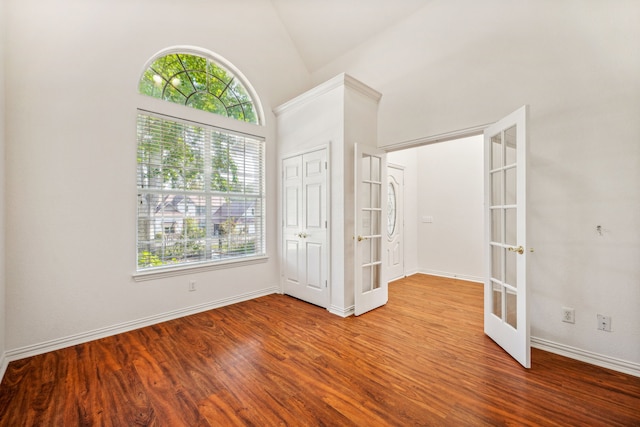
(450, 193)
(2, 192)
(458, 64)
(72, 69)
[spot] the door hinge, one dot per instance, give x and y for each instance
(325, 284)
(325, 224)
(325, 165)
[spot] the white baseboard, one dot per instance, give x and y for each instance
(4, 362)
(406, 274)
(448, 275)
(586, 356)
(411, 272)
(341, 311)
(57, 344)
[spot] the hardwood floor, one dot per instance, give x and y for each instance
(420, 360)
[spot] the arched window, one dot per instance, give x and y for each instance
(198, 82)
(200, 185)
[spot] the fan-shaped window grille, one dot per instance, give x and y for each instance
(200, 83)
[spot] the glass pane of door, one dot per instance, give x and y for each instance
(510, 146)
(497, 225)
(503, 224)
(371, 227)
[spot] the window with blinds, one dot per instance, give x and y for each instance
(200, 193)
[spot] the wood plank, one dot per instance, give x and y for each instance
(422, 359)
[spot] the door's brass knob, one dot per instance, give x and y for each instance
(519, 249)
(360, 238)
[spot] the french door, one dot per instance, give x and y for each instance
(506, 318)
(371, 290)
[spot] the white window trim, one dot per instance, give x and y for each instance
(151, 105)
(163, 272)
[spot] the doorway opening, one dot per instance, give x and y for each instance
(499, 221)
(443, 208)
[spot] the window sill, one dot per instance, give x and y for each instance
(196, 268)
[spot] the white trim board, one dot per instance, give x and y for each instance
(197, 268)
(447, 136)
(4, 363)
(448, 275)
(342, 312)
(342, 79)
(596, 359)
(84, 337)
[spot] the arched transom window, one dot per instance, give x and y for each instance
(198, 82)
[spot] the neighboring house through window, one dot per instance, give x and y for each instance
(200, 178)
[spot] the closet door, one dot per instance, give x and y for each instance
(305, 253)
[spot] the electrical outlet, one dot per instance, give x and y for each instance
(568, 315)
(192, 285)
(604, 323)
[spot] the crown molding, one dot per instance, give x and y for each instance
(341, 80)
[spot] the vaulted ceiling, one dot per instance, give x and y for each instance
(323, 30)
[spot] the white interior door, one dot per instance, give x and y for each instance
(304, 243)
(506, 318)
(395, 222)
(371, 290)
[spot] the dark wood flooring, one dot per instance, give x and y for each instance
(420, 360)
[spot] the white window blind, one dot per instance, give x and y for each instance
(200, 194)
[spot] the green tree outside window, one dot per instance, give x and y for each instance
(199, 83)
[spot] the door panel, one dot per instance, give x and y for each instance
(395, 223)
(371, 289)
(313, 206)
(314, 265)
(292, 175)
(291, 261)
(292, 200)
(305, 227)
(505, 305)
